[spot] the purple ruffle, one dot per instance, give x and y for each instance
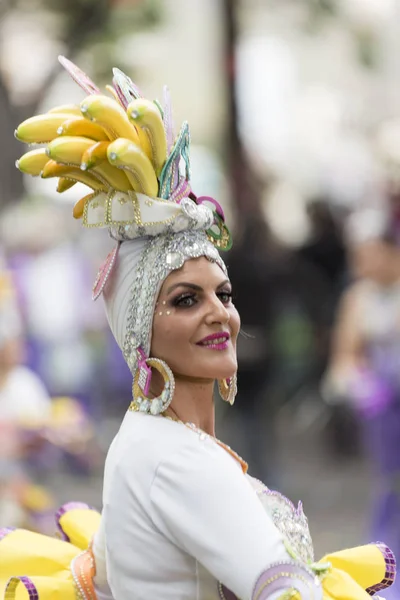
(390, 573)
(26, 582)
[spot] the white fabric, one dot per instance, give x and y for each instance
(23, 397)
(178, 516)
(117, 291)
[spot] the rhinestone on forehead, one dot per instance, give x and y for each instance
(161, 255)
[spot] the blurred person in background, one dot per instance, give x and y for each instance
(181, 517)
(252, 426)
(24, 406)
(365, 362)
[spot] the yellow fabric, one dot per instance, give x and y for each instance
(79, 525)
(26, 553)
(46, 561)
(365, 564)
(43, 559)
(352, 572)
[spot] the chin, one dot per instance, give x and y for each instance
(223, 371)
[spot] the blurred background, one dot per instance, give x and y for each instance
(294, 109)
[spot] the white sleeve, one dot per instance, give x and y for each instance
(202, 502)
(103, 591)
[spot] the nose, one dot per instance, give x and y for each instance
(217, 312)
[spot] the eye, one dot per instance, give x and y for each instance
(225, 297)
(185, 300)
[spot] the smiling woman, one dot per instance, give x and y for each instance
(181, 518)
(198, 336)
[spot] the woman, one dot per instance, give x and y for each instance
(181, 518)
(365, 367)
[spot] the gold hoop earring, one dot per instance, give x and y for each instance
(153, 406)
(228, 389)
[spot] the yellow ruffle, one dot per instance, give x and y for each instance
(346, 575)
(354, 571)
(47, 563)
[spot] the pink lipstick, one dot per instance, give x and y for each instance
(215, 341)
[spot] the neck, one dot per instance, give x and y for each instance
(193, 402)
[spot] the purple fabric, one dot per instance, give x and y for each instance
(226, 594)
(371, 394)
(381, 439)
(26, 582)
(390, 573)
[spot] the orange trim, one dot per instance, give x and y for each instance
(83, 570)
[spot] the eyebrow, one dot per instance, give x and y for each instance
(193, 286)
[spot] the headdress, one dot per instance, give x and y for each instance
(124, 148)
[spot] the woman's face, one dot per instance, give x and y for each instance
(195, 325)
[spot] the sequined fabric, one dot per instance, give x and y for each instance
(289, 520)
(163, 254)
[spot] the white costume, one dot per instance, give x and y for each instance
(178, 508)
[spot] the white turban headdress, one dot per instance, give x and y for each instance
(140, 177)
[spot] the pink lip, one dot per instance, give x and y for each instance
(207, 341)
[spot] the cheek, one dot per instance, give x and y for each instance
(234, 322)
(169, 335)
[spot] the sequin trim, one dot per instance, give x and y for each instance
(390, 573)
(13, 583)
(285, 576)
(83, 571)
(291, 522)
(63, 510)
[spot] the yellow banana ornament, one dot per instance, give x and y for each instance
(79, 126)
(40, 129)
(94, 155)
(65, 184)
(73, 173)
(68, 109)
(79, 206)
(147, 118)
(69, 150)
(126, 155)
(32, 162)
(110, 115)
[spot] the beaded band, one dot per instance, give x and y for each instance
(390, 572)
(285, 576)
(83, 570)
(63, 510)
(13, 583)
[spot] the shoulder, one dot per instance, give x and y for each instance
(146, 444)
(155, 446)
